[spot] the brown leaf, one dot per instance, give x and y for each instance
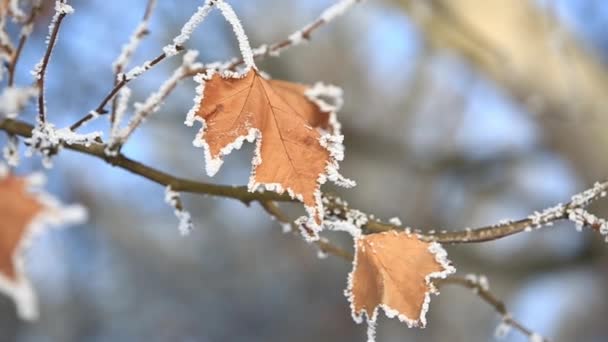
(393, 271)
(22, 214)
(289, 129)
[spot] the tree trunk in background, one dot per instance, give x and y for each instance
(541, 65)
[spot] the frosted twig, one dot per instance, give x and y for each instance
(154, 101)
(26, 31)
(48, 140)
(335, 206)
(173, 199)
(120, 108)
(6, 44)
(124, 80)
(168, 51)
(325, 247)
(136, 37)
(481, 290)
(237, 27)
(195, 20)
(15, 11)
(300, 35)
(61, 10)
(497, 231)
(129, 49)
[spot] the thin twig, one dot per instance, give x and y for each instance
(241, 193)
(324, 245)
(177, 184)
(41, 74)
(125, 79)
(488, 297)
(128, 49)
(303, 34)
(25, 33)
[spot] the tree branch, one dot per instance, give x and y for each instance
(338, 208)
(41, 68)
(177, 184)
(482, 291)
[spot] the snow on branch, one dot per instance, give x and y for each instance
(173, 199)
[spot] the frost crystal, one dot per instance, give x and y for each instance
(173, 199)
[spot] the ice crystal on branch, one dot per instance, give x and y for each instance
(47, 140)
(173, 199)
(195, 20)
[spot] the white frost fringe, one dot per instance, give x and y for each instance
(53, 215)
(420, 321)
(173, 199)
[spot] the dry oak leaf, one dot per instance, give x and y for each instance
(298, 145)
(393, 271)
(24, 212)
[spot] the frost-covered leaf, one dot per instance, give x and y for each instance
(298, 145)
(25, 211)
(393, 271)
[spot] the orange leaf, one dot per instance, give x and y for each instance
(393, 271)
(23, 213)
(295, 139)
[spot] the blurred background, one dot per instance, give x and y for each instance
(458, 114)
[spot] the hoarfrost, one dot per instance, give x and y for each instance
(237, 27)
(47, 140)
(195, 20)
(129, 48)
(173, 199)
